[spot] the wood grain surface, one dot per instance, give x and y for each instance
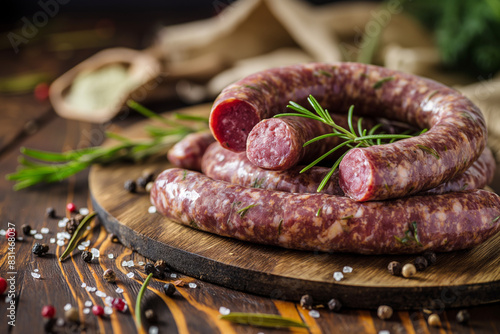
(189, 310)
(469, 277)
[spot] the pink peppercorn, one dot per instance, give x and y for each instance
(98, 310)
(41, 91)
(48, 311)
(11, 232)
(71, 207)
(3, 285)
(119, 304)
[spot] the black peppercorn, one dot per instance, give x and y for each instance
(40, 249)
(420, 263)
(109, 276)
(87, 256)
(150, 315)
(130, 186)
(334, 305)
(395, 268)
(49, 325)
(161, 267)
(50, 213)
(306, 302)
(463, 317)
(145, 179)
(26, 229)
(169, 289)
(430, 256)
(149, 268)
(72, 225)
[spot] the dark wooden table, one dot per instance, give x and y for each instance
(25, 121)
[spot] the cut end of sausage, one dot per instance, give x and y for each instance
(356, 175)
(231, 121)
(270, 145)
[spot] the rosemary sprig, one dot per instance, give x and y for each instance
(352, 137)
(262, 320)
(82, 227)
(52, 167)
(138, 311)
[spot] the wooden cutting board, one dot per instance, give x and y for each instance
(462, 278)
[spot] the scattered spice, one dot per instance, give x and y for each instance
(395, 268)
(109, 276)
(334, 305)
(150, 268)
(408, 270)
(87, 256)
(180, 283)
(430, 256)
(50, 212)
(434, 320)
(306, 302)
(150, 315)
(48, 311)
(130, 186)
(384, 312)
(169, 289)
(72, 225)
(161, 268)
(98, 310)
(146, 178)
(10, 233)
(40, 249)
(3, 285)
(420, 263)
(72, 315)
(71, 207)
(26, 229)
(463, 317)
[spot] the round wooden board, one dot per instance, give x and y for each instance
(458, 279)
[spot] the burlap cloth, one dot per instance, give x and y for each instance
(194, 61)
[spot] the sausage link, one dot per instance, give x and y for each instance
(278, 143)
(221, 164)
(327, 223)
(188, 152)
(456, 138)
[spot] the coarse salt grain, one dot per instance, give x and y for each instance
(83, 285)
(95, 252)
(85, 243)
(35, 270)
(119, 290)
(124, 264)
(108, 310)
(130, 263)
(81, 247)
(314, 314)
(2, 232)
(153, 330)
(111, 256)
(140, 263)
(384, 331)
(88, 228)
(20, 238)
(192, 285)
(67, 306)
(152, 209)
(60, 242)
(32, 232)
(224, 310)
(93, 289)
(101, 294)
(88, 288)
(38, 236)
(338, 276)
(86, 310)
(35, 275)
(62, 223)
(44, 230)
(347, 269)
(83, 211)
(52, 240)
(88, 303)
(173, 275)
(130, 275)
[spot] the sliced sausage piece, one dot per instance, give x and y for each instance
(324, 222)
(278, 143)
(456, 138)
(188, 152)
(221, 164)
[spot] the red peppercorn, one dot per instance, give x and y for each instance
(3, 285)
(71, 207)
(98, 310)
(41, 91)
(48, 311)
(119, 304)
(11, 232)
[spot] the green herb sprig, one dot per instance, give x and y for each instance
(37, 166)
(353, 136)
(138, 310)
(82, 227)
